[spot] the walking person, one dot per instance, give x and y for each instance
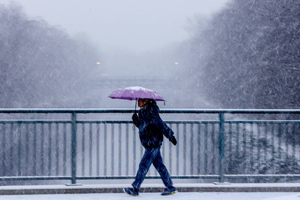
(151, 131)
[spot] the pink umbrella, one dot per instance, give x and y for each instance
(135, 93)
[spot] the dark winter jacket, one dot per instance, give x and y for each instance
(151, 127)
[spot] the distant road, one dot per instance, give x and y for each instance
(175, 91)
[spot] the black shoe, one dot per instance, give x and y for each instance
(131, 191)
(169, 191)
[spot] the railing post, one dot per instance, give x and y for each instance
(221, 147)
(73, 150)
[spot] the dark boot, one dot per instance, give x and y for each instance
(131, 191)
(169, 191)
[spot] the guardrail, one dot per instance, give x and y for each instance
(83, 144)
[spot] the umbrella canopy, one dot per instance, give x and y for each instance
(134, 93)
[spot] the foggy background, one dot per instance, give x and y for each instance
(130, 25)
(225, 54)
(119, 44)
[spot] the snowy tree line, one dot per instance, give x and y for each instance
(41, 66)
(248, 55)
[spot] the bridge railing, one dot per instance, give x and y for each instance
(86, 144)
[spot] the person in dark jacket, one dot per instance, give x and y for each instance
(151, 131)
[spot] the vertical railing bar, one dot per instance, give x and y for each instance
(74, 148)
(199, 147)
(112, 149)
(57, 149)
(245, 143)
(105, 149)
(65, 149)
(19, 133)
(42, 147)
(205, 147)
(266, 137)
(298, 127)
(83, 149)
(170, 153)
(50, 150)
(34, 151)
(90, 150)
(4, 148)
(230, 142)
(134, 149)
(252, 145)
(177, 151)
(294, 140)
(98, 149)
(221, 146)
(286, 140)
(258, 144)
(127, 149)
(27, 149)
(279, 141)
(12, 147)
(237, 140)
(120, 149)
(213, 149)
(184, 149)
(273, 146)
(164, 152)
(192, 149)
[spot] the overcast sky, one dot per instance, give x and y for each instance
(135, 25)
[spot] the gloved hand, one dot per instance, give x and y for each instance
(173, 140)
(135, 117)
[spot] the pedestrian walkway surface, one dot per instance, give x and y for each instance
(186, 191)
(157, 196)
(149, 188)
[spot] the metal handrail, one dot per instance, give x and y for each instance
(74, 123)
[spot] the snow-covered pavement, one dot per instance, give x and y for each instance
(272, 191)
(157, 196)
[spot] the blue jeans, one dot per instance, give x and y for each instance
(152, 155)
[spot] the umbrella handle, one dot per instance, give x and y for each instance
(135, 106)
(133, 127)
